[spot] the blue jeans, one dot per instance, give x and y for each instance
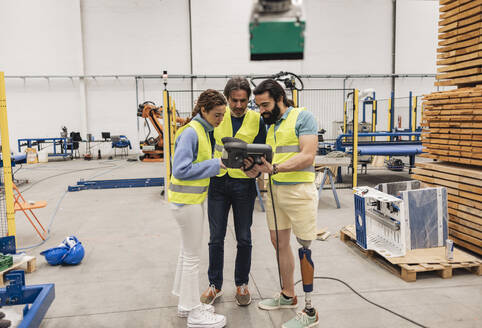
(223, 193)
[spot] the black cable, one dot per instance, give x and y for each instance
(276, 231)
(367, 300)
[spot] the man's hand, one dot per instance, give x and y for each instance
(253, 172)
(266, 167)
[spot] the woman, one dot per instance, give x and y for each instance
(192, 167)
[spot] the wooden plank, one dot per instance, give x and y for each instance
(466, 223)
(469, 217)
(459, 52)
(461, 16)
(468, 231)
(452, 4)
(466, 191)
(444, 2)
(459, 59)
(460, 67)
(467, 209)
(447, 176)
(462, 80)
(466, 64)
(456, 10)
(460, 37)
(458, 100)
(462, 44)
(460, 23)
(462, 236)
(461, 72)
(453, 159)
(467, 245)
(465, 201)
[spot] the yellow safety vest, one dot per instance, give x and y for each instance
(192, 191)
(247, 132)
(286, 145)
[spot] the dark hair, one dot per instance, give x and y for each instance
(208, 99)
(274, 89)
(237, 83)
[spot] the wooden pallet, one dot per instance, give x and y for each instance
(27, 261)
(417, 261)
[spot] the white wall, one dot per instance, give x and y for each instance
(93, 37)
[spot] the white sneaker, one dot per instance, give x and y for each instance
(181, 313)
(201, 318)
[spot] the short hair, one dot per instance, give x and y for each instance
(237, 83)
(274, 89)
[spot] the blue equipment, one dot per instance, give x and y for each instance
(39, 296)
(117, 183)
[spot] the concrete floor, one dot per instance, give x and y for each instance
(132, 242)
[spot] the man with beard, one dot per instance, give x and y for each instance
(233, 188)
(293, 137)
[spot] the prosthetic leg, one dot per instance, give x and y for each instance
(307, 273)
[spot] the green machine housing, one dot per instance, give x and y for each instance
(277, 39)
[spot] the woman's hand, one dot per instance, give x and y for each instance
(221, 164)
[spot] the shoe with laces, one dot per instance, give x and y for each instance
(243, 297)
(278, 302)
(201, 318)
(184, 313)
(302, 320)
(210, 295)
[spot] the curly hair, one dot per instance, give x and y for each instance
(208, 100)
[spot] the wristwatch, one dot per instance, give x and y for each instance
(275, 169)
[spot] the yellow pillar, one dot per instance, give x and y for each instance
(355, 140)
(167, 148)
(295, 98)
(7, 164)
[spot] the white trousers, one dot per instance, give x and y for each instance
(190, 219)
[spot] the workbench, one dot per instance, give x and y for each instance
(55, 142)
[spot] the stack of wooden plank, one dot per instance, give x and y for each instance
(452, 122)
(464, 189)
(460, 43)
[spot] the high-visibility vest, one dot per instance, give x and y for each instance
(192, 191)
(286, 145)
(247, 132)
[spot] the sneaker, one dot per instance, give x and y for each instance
(210, 295)
(302, 320)
(243, 297)
(200, 318)
(278, 302)
(185, 313)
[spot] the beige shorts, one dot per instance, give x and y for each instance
(296, 207)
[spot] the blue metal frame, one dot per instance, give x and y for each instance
(410, 111)
(117, 183)
(62, 142)
(340, 145)
(39, 296)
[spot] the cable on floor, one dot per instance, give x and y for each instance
(367, 300)
(61, 199)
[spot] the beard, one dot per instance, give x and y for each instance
(272, 116)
